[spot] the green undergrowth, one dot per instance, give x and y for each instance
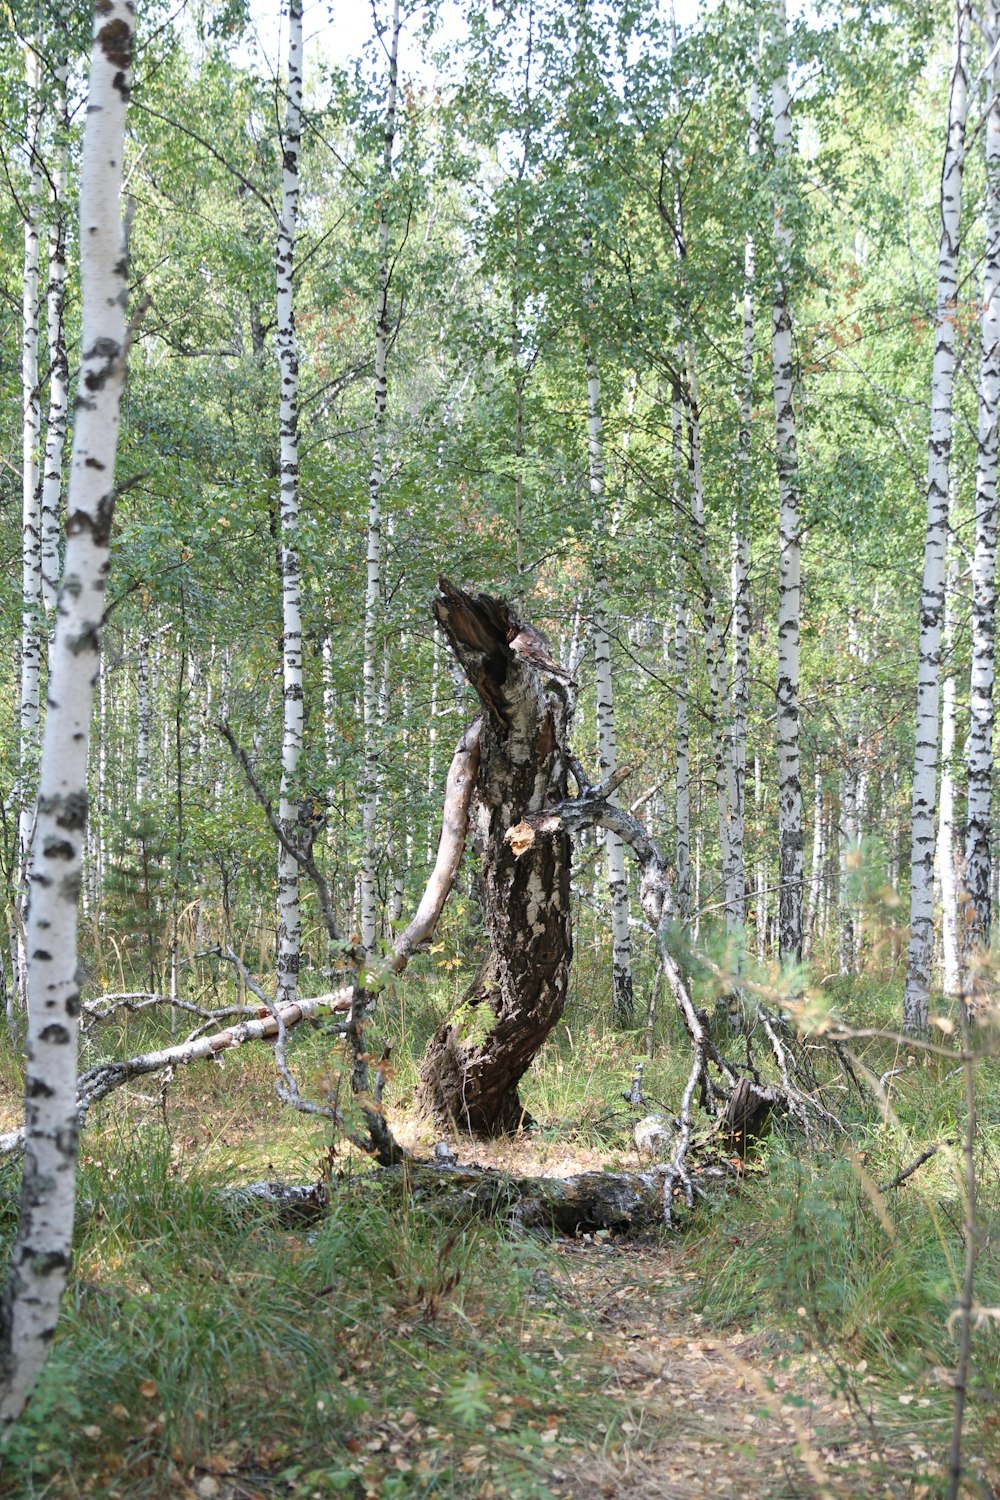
(389, 1350)
(864, 1278)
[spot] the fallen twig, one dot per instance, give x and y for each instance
(917, 1162)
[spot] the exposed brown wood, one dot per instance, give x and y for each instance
(477, 1056)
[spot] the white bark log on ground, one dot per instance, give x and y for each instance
(925, 761)
(40, 1255)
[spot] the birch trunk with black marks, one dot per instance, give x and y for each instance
(58, 412)
(477, 1056)
(29, 717)
(849, 841)
(980, 746)
(373, 560)
(740, 686)
(682, 721)
(811, 931)
(40, 1255)
(951, 974)
(622, 996)
(789, 525)
(925, 761)
(143, 715)
(760, 869)
(289, 912)
(715, 655)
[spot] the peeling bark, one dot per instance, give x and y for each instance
(477, 1056)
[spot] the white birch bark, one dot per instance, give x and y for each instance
(715, 655)
(31, 526)
(740, 689)
(373, 564)
(143, 716)
(980, 746)
(623, 999)
(760, 872)
(849, 832)
(58, 412)
(925, 760)
(811, 932)
(951, 975)
(789, 566)
(41, 1251)
(682, 725)
(289, 913)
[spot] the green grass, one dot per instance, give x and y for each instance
(395, 1348)
(386, 1345)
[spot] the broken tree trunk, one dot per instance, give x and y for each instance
(477, 1057)
(624, 1202)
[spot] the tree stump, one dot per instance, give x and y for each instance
(477, 1057)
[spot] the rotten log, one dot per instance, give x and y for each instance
(622, 1202)
(476, 1058)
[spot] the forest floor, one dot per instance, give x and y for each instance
(792, 1340)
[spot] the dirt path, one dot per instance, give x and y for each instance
(710, 1414)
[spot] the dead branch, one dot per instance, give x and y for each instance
(593, 809)
(104, 1078)
(137, 1001)
(916, 1164)
(459, 787)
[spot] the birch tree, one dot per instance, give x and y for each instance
(980, 746)
(789, 523)
(41, 1251)
(682, 723)
(740, 686)
(31, 526)
(623, 999)
(289, 917)
(947, 874)
(923, 805)
(55, 329)
(373, 558)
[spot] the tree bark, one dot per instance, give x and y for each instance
(925, 761)
(476, 1058)
(289, 914)
(951, 975)
(373, 562)
(980, 747)
(623, 998)
(58, 413)
(40, 1255)
(31, 523)
(789, 526)
(740, 684)
(682, 716)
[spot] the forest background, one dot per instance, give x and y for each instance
(579, 313)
